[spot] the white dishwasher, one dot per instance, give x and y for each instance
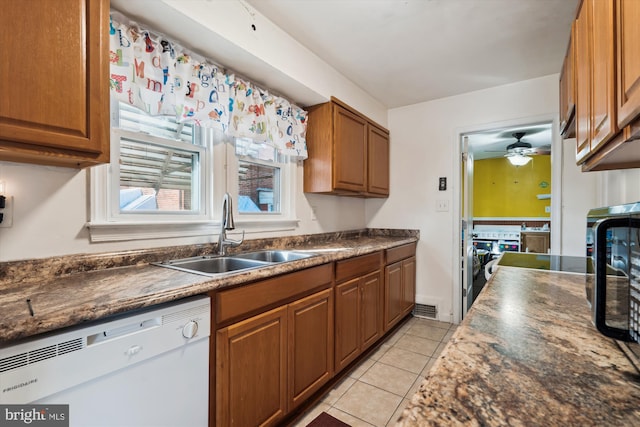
(150, 368)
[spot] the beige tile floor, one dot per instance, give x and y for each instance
(378, 389)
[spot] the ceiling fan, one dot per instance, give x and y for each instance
(518, 153)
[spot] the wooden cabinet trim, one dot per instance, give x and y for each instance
(358, 266)
(233, 304)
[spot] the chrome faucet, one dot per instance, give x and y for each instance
(227, 224)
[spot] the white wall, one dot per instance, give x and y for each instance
(51, 204)
(424, 140)
(617, 187)
(50, 210)
(581, 195)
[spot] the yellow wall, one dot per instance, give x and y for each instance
(503, 190)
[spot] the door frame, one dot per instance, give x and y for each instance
(556, 196)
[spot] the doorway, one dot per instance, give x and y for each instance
(506, 173)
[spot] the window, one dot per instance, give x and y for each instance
(164, 179)
(258, 177)
(161, 170)
(265, 182)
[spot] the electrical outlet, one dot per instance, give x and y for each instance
(313, 213)
(547, 209)
(442, 205)
(7, 213)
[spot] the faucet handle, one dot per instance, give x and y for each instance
(231, 242)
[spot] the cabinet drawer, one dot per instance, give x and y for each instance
(358, 266)
(238, 302)
(400, 252)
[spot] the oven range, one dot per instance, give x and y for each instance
(496, 239)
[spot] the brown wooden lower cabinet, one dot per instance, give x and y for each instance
(268, 364)
(347, 338)
(280, 340)
(535, 242)
(393, 301)
(370, 309)
(399, 284)
(251, 370)
(310, 343)
(408, 284)
(358, 307)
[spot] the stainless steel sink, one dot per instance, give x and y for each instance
(274, 256)
(210, 266)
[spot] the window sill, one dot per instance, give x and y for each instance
(123, 231)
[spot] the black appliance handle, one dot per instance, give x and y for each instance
(600, 288)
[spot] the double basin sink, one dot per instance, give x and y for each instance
(212, 265)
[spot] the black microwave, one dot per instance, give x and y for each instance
(613, 243)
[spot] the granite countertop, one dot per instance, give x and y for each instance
(67, 291)
(528, 354)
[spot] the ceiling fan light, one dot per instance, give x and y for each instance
(519, 160)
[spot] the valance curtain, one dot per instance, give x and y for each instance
(160, 77)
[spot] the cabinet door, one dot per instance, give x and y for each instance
(347, 337)
(603, 102)
(583, 82)
(393, 304)
(310, 327)
(54, 107)
(251, 369)
(408, 284)
(370, 287)
(567, 91)
(536, 242)
(378, 161)
(628, 54)
(350, 150)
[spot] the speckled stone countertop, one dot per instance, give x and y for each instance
(527, 354)
(66, 291)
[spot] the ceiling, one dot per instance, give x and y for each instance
(493, 143)
(404, 52)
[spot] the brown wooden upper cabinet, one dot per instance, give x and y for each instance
(54, 103)
(568, 90)
(348, 153)
(595, 74)
(628, 55)
(606, 40)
